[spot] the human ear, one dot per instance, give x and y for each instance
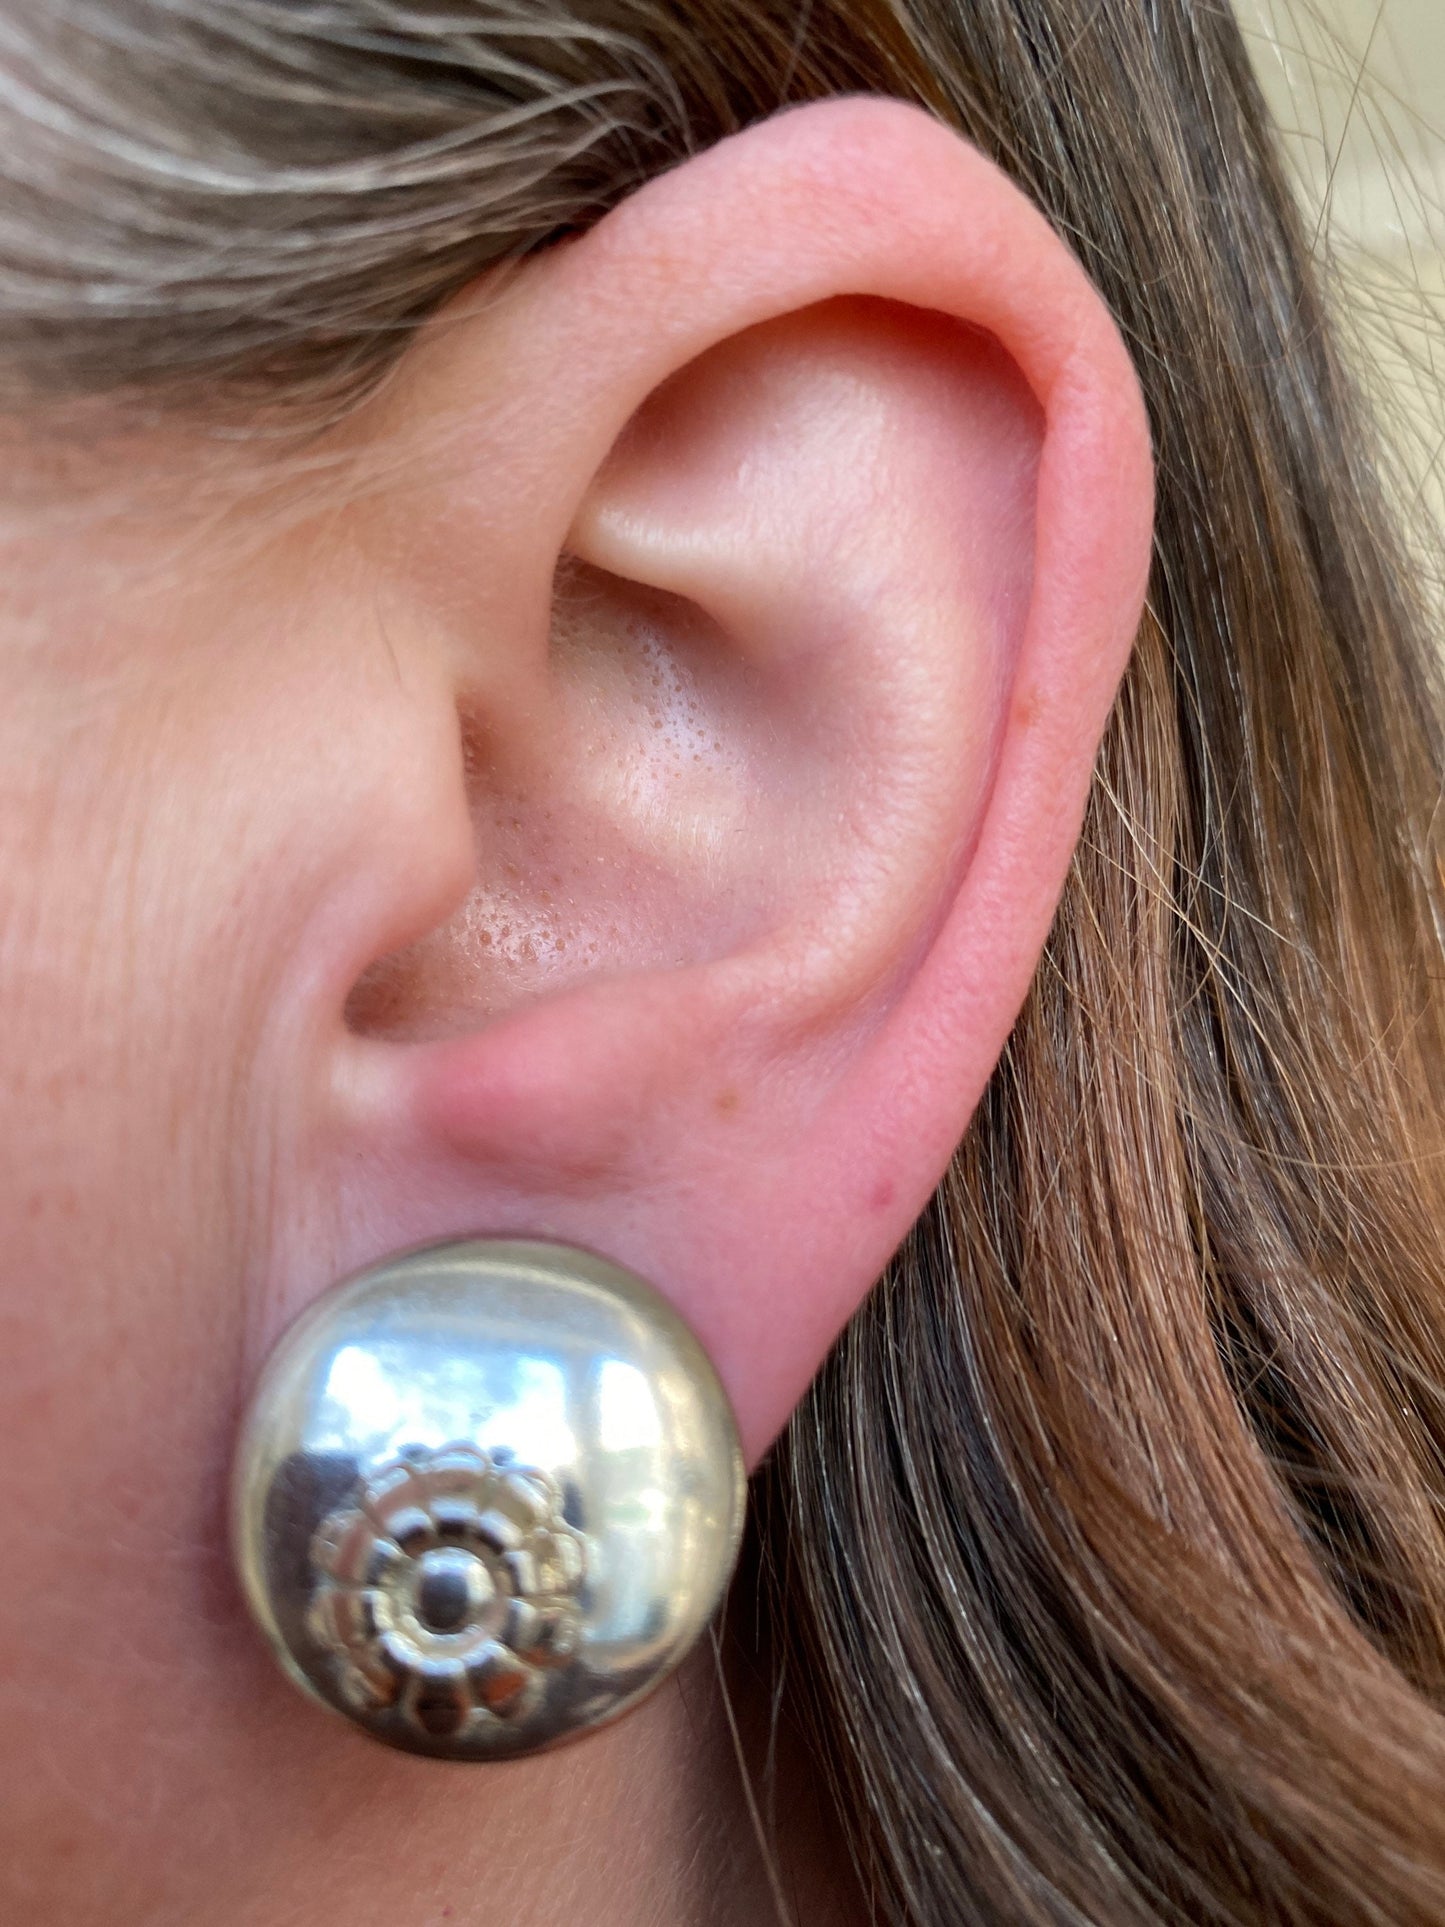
(758, 603)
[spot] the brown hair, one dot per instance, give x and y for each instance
(1108, 1548)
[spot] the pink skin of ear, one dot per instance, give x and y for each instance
(763, 1196)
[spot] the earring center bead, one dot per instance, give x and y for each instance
(452, 1589)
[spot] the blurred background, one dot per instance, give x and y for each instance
(1359, 88)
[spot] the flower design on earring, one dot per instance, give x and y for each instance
(445, 1586)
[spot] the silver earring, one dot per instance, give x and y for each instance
(486, 1496)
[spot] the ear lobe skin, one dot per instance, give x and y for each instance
(837, 389)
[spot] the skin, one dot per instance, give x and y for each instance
(366, 882)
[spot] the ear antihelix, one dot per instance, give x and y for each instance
(847, 494)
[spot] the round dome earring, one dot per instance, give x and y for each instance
(486, 1496)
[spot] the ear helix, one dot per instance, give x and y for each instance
(486, 1496)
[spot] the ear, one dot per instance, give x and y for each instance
(758, 570)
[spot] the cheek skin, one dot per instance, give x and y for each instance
(157, 1109)
(130, 1225)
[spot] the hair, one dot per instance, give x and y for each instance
(1106, 1557)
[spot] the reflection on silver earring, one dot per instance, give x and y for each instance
(486, 1496)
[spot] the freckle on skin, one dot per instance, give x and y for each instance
(1026, 708)
(727, 1102)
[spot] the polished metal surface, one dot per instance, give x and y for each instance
(485, 1497)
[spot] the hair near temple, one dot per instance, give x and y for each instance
(1149, 1414)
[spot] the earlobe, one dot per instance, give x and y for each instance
(847, 477)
